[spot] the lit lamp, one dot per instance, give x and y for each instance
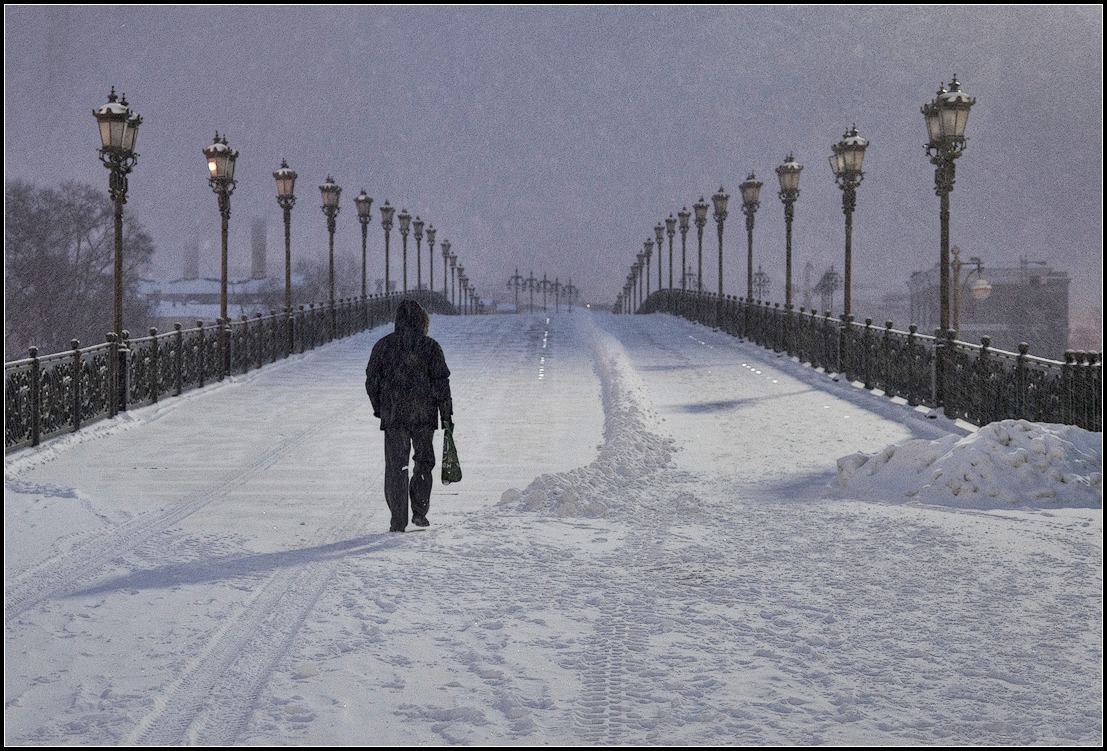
(118, 126)
(846, 159)
(946, 117)
(221, 160)
(789, 175)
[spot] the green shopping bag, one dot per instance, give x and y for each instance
(451, 467)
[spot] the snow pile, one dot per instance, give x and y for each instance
(632, 449)
(1004, 464)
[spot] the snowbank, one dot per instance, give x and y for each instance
(1004, 464)
(632, 450)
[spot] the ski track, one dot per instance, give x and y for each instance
(604, 643)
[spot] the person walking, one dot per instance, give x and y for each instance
(408, 384)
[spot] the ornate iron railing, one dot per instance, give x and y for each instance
(58, 393)
(970, 382)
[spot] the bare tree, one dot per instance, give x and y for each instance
(59, 249)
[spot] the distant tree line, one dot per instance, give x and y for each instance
(59, 267)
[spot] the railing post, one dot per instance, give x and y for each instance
(201, 353)
(866, 353)
(36, 396)
(937, 378)
(912, 358)
(1022, 382)
(983, 408)
(154, 365)
(76, 416)
(178, 365)
(125, 371)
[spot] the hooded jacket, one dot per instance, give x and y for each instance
(406, 379)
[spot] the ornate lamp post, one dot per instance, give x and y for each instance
(386, 222)
(418, 225)
(461, 279)
(545, 288)
(659, 236)
(531, 283)
(643, 263)
(649, 254)
(431, 232)
(720, 199)
(682, 217)
(570, 293)
(751, 195)
(453, 279)
(845, 160)
(789, 175)
(946, 117)
(330, 192)
(701, 220)
(557, 295)
(516, 282)
(445, 263)
(118, 125)
(761, 283)
(363, 203)
(221, 160)
(670, 230)
(405, 226)
(286, 199)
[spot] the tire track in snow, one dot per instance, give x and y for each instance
(74, 569)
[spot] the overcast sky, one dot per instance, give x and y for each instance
(553, 139)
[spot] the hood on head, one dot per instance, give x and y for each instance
(410, 316)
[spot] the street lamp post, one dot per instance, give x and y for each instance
(453, 279)
(431, 232)
(221, 161)
(649, 254)
(405, 226)
(330, 193)
(946, 117)
(445, 270)
(545, 288)
(845, 160)
(516, 282)
(670, 230)
(363, 203)
(118, 125)
(418, 225)
(720, 200)
(460, 285)
(386, 223)
(683, 217)
(570, 293)
(701, 221)
(286, 199)
(659, 236)
(789, 175)
(751, 195)
(761, 283)
(557, 295)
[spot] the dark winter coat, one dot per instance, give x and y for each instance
(407, 379)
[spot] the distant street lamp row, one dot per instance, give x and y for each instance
(118, 125)
(545, 285)
(946, 117)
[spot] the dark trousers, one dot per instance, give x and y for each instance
(398, 445)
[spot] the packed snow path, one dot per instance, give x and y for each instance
(642, 551)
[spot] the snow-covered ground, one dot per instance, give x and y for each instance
(663, 536)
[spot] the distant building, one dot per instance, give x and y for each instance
(186, 301)
(1029, 304)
